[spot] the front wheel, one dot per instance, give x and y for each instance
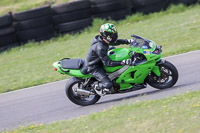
(168, 77)
(72, 84)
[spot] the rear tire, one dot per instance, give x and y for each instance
(73, 97)
(168, 71)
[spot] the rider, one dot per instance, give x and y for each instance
(97, 55)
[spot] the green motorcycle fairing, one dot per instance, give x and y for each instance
(118, 54)
(134, 75)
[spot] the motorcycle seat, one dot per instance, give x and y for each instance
(72, 63)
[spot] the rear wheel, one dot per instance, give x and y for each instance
(82, 100)
(168, 77)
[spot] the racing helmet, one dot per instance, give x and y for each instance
(109, 32)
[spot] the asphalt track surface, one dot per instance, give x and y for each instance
(48, 103)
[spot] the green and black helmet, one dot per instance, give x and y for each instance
(109, 32)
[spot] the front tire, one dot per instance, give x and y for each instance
(169, 76)
(74, 97)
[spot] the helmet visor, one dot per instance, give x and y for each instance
(113, 37)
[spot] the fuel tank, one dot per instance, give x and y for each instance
(117, 54)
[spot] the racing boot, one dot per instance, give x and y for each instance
(99, 89)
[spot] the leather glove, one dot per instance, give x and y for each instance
(126, 62)
(130, 40)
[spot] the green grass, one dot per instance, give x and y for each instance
(177, 30)
(23, 5)
(177, 114)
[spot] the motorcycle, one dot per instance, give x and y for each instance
(147, 67)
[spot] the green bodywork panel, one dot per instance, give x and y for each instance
(118, 54)
(134, 75)
(156, 70)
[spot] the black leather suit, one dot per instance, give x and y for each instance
(97, 58)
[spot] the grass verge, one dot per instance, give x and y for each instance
(177, 114)
(177, 30)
